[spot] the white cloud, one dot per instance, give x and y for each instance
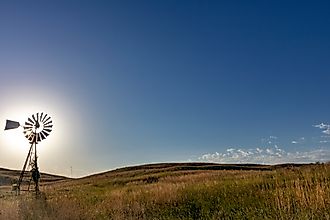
(324, 141)
(324, 127)
(298, 141)
(267, 155)
(327, 131)
(269, 140)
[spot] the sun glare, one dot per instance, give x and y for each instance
(15, 140)
(62, 140)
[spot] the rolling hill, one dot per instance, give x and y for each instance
(179, 191)
(134, 173)
(8, 177)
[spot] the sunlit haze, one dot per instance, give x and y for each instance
(135, 82)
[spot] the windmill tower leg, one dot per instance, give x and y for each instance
(23, 170)
(35, 169)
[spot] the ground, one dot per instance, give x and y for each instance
(179, 191)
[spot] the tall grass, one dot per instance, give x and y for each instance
(297, 193)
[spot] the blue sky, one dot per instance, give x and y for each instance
(134, 82)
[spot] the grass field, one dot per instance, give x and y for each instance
(182, 191)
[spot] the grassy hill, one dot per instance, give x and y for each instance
(183, 191)
(7, 176)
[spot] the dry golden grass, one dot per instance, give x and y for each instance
(163, 193)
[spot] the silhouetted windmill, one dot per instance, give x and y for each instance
(36, 129)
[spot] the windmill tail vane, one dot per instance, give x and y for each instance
(11, 124)
(36, 129)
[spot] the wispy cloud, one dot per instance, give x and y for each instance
(269, 140)
(298, 141)
(324, 127)
(270, 153)
(266, 155)
(326, 131)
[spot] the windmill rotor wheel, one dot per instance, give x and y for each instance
(38, 127)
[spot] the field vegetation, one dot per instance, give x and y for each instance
(182, 191)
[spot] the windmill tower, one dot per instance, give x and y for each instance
(36, 129)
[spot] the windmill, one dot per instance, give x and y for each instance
(36, 129)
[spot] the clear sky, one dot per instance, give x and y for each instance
(134, 82)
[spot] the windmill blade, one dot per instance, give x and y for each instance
(41, 116)
(38, 116)
(42, 135)
(27, 128)
(47, 130)
(46, 120)
(30, 120)
(28, 124)
(45, 134)
(39, 138)
(43, 120)
(48, 123)
(11, 124)
(34, 118)
(48, 126)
